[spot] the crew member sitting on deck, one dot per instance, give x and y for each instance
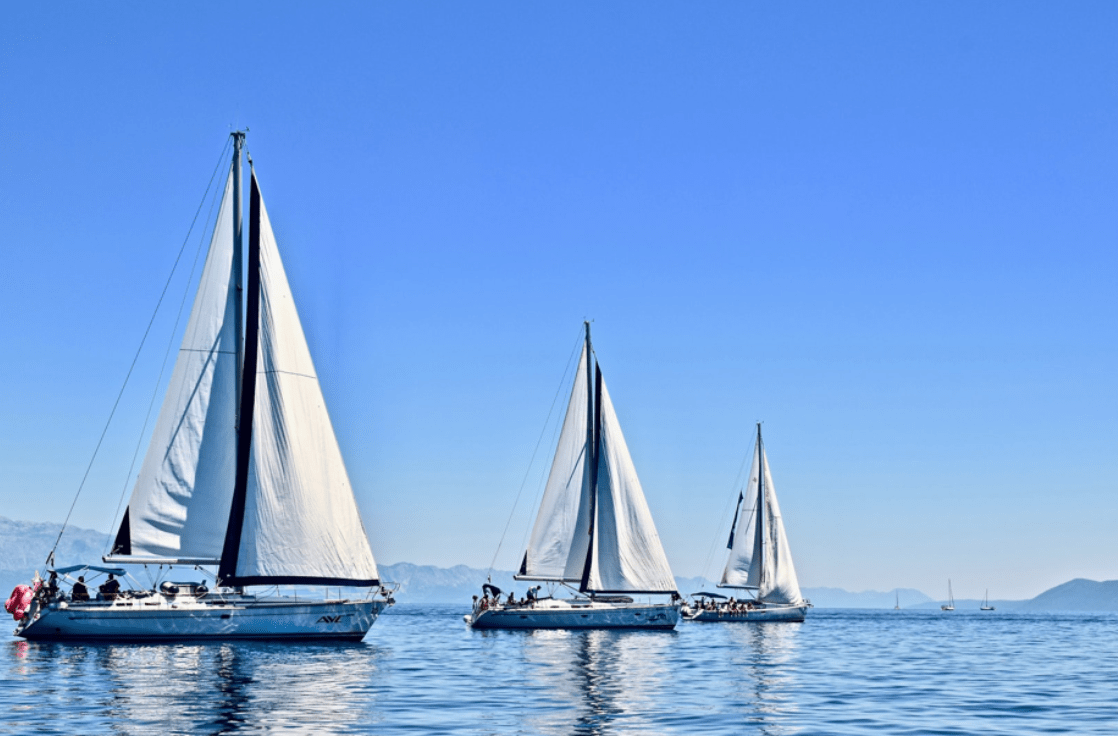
(79, 592)
(110, 588)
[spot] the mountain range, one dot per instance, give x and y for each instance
(24, 545)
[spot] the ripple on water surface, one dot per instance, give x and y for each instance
(421, 670)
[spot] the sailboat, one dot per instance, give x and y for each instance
(243, 473)
(760, 560)
(950, 605)
(897, 605)
(986, 602)
(593, 534)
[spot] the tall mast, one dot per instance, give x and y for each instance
(238, 270)
(761, 507)
(231, 549)
(593, 424)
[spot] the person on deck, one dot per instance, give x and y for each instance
(110, 589)
(79, 592)
(50, 592)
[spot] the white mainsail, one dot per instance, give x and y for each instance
(557, 548)
(743, 535)
(760, 556)
(301, 518)
(627, 553)
(594, 526)
(179, 508)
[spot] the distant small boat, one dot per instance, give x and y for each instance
(898, 606)
(986, 602)
(950, 606)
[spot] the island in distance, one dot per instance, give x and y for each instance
(22, 543)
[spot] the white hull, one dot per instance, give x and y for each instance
(764, 613)
(157, 618)
(562, 614)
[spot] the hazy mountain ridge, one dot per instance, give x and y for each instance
(840, 598)
(1076, 595)
(24, 546)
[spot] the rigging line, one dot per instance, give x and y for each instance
(725, 514)
(166, 354)
(147, 331)
(544, 469)
(528, 471)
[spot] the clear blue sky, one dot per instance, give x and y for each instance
(886, 229)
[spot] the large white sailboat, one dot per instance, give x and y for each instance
(593, 534)
(243, 478)
(760, 560)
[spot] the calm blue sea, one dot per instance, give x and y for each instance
(421, 670)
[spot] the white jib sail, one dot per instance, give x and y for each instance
(180, 505)
(301, 518)
(627, 555)
(778, 584)
(558, 545)
(740, 561)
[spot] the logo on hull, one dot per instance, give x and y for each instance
(329, 619)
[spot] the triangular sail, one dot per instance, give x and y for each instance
(740, 561)
(558, 545)
(778, 584)
(179, 507)
(301, 522)
(627, 555)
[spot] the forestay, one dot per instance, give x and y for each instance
(179, 507)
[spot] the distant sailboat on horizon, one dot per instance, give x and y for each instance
(986, 602)
(950, 605)
(897, 607)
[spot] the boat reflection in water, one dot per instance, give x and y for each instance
(763, 674)
(603, 681)
(211, 688)
(731, 679)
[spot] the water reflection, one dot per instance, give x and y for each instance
(202, 688)
(763, 671)
(426, 673)
(601, 682)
